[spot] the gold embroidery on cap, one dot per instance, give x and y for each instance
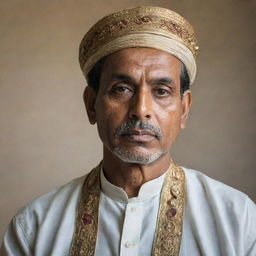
(145, 19)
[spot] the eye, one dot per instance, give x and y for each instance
(121, 89)
(162, 92)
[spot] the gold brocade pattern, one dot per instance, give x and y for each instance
(170, 215)
(145, 19)
(85, 235)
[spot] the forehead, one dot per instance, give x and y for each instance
(147, 59)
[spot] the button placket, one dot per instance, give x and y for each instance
(131, 230)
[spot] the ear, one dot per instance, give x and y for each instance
(89, 102)
(186, 102)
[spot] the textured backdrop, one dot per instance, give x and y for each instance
(45, 137)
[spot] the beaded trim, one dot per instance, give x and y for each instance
(170, 216)
(85, 235)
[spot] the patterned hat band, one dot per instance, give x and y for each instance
(159, 42)
(144, 26)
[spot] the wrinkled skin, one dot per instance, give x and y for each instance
(138, 85)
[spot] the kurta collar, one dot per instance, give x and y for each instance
(147, 190)
(170, 214)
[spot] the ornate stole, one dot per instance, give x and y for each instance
(170, 215)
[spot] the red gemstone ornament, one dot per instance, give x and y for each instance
(87, 219)
(171, 212)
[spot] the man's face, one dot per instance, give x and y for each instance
(138, 109)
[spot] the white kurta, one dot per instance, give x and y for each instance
(218, 221)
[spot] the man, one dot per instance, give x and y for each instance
(139, 64)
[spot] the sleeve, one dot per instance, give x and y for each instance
(251, 229)
(15, 242)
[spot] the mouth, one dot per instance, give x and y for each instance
(139, 136)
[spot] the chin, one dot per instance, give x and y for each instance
(137, 157)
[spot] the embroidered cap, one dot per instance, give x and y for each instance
(144, 26)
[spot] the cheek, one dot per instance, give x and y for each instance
(170, 120)
(111, 112)
(108, 117)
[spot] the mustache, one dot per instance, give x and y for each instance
(141, 125)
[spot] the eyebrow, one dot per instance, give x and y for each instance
(163, 80)
(123, 77)
(127, 78)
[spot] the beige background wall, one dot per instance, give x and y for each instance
(45, 137)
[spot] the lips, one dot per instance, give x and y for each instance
(136, 135)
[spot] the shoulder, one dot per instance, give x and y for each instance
(221, 211)
(201, 188)
(58, 198)
(201, 183)
(46, 213)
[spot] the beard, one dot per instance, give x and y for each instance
(137, 157)
(134, 156)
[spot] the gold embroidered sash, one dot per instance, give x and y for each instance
(169, 223)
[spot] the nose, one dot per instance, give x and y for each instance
(141, 106)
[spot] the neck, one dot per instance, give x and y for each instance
(130, 177)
